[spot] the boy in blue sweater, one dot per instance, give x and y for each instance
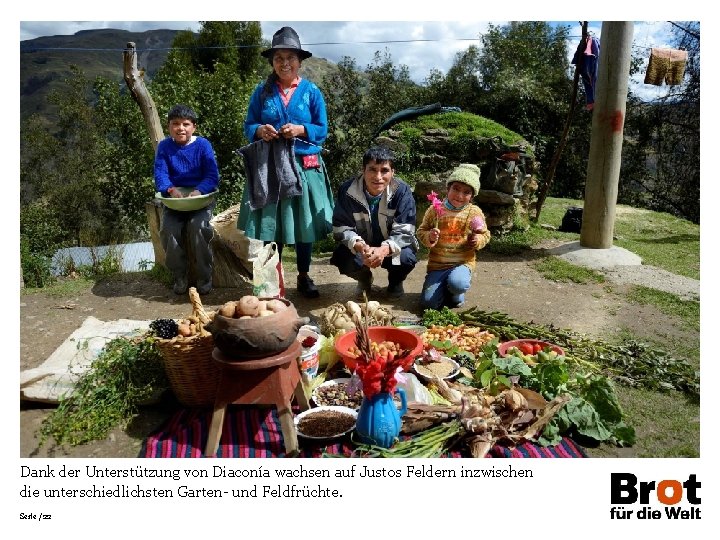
(184, 160)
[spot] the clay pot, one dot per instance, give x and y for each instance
(257, 337)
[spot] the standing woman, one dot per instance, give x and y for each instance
(288, 107)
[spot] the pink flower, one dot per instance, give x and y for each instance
(437, 205)
(477, 224)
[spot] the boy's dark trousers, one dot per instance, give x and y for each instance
(196, 226)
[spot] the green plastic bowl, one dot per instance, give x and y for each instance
(187, 204)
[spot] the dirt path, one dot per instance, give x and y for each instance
(504, 283)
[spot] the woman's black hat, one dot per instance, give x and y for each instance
(286, 38)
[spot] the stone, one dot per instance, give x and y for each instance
(490, 196)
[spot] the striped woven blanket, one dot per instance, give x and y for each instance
(255, 432)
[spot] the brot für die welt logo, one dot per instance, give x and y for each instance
(681, 499)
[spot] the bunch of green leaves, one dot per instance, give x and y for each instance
(594, 410)
(631, 362)
(125, 374)
(494, 372)
(443, 317)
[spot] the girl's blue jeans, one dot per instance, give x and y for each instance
(445, 287)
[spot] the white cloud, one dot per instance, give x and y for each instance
(360, 40)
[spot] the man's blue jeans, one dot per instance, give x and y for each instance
(445, 287)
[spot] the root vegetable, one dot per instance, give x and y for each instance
(276, 305)
(373, 306)
(227, 310)
(514, 400)
(247, 305)
(184, 329)
(262, 306)
(265, 313)
(353, 309)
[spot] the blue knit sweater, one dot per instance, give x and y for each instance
(191, 165)
(306, 108)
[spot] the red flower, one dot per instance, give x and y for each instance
(309, 342)
(377, 374)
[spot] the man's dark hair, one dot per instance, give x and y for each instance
(379, 154)
(182, 112)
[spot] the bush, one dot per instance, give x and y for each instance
(35, 267)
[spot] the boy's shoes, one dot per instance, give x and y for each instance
(205, 289)
(307, 288)
(395, 290)
(180, 286)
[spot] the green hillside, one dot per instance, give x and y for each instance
(45, 61)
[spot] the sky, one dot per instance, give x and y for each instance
(360, 40)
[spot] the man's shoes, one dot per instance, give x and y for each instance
(364, 284)
(395, 290)
(180, 286)
(206, 288)
(306, 287)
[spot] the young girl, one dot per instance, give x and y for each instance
(454, 230)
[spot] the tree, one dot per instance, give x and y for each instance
(461, 86)
(524, 74)
(229, 43)
(358, 104)
(77, 187)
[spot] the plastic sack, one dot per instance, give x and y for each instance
(415, 391)
(268, 277)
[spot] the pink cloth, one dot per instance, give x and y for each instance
(285, 96)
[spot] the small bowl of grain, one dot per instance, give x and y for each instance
(322, 423)
(441, 367)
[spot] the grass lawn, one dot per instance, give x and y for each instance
(667, 424)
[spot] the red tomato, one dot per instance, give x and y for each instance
(526, 348)
(536, 348)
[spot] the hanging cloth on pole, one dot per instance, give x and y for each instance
(586, 59)
(666, 65)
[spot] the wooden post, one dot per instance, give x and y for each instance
(603, 171)
(136, 84)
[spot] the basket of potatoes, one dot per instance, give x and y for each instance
(187, 357)
(254, 327)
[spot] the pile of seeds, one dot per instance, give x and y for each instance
(323, 424)
(338, 394)
(441, 368)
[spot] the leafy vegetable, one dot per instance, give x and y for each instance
(594, 410)
(632, 362)
(443, 317)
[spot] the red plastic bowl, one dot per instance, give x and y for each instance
(378, 334)
(503, 347)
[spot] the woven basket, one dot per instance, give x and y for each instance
(188, 362)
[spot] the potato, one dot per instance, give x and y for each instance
(184, 329)
(265, 313)
(276, 305)
(227, 309)
(247, 305)
(262, 306)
